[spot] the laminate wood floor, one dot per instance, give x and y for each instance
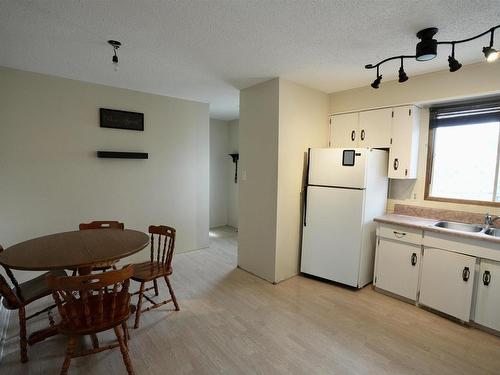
(234, 323)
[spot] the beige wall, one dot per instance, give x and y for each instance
(51, 179)
(471, 81)
(232, 209)
(303, 123)
(279, 120)
(258, 142)
(220, 165)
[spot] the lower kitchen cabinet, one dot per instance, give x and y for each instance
(488, 295)
(447, 282)
(397, 268)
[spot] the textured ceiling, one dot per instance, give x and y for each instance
(208, 50)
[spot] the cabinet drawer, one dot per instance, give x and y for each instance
(408, 235)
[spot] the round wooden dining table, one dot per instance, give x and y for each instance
(74, 250)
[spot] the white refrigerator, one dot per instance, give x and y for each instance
(346, 189)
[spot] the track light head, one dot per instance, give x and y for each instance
(453, 64)
(491, 54)
(377, 81)
(402, 75)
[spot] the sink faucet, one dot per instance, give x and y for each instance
(489, 219)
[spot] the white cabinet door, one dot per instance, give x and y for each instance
(398, 266)
(344, 130)
(488, 295)
(403, 155)
(447, 281)
(375, 128)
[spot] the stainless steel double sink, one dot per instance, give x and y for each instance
(469, 228)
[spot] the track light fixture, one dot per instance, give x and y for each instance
(377, 81)
(426, 50)
(115, 44)
(402, 74)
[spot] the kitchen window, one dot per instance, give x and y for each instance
(464, 154)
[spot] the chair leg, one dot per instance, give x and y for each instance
(156, 287)
(95, 341)
(69, 354)
(124, 350)
(172, 294)
(126, 333)
(139, 306)
(22, 334)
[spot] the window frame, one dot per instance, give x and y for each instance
(430, 165)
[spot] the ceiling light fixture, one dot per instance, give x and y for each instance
(426, 50)
(115, 44)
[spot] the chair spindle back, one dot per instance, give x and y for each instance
(91, 300)
(165, 244)
(14, 282)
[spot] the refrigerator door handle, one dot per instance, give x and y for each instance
(305, 205)
(307, 184)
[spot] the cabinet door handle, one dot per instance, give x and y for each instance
(363, 134)
(353, 135)
(414, 259)
(396, 164)
(399, 234)
(466, 274)
(486, 278)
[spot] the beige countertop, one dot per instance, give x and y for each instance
(427, 225)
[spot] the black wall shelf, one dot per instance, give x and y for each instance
(122, 155)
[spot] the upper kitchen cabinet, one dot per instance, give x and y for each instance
(344, 130)
(403, 154)
(375, 128)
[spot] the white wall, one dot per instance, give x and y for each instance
(232, 209)
(303, 123)
(279, 120)
(220, 164)
(471, 81)
(258, 140)
(51, 179)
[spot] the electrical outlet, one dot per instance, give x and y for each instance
(243, 175)
(414, 195)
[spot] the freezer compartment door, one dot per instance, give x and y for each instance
(332, 234)
(338, 167)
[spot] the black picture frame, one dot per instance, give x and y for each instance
(117, 119)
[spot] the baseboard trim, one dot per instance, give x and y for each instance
(4, 324)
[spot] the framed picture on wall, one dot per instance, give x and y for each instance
(116, 119)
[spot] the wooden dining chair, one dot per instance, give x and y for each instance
(159, 266)
(106, 224)
(21, 295)
(91, 304)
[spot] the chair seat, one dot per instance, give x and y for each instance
(110, 318)
(35, 288)
(147, 271)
